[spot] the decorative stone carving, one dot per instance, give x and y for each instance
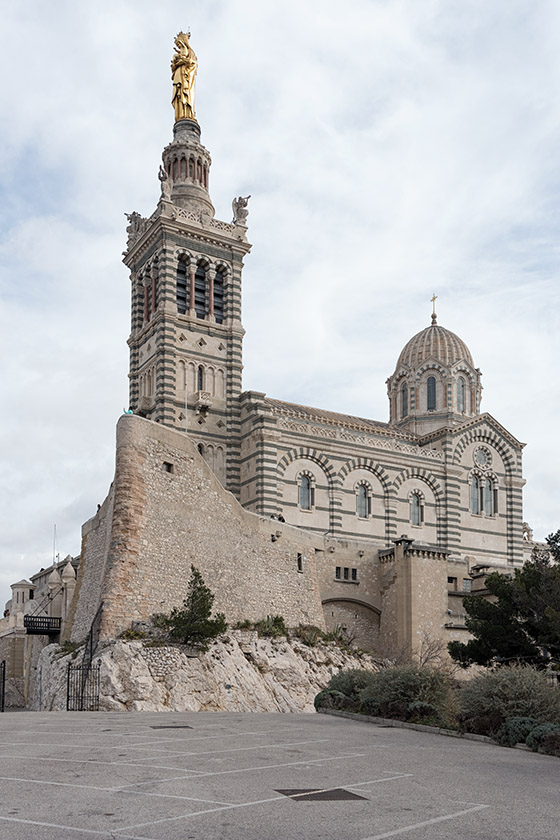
(137, 225)
(165, 184)
(240, 212)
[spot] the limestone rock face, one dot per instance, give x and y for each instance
(240, 673)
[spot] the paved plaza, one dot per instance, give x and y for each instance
(148, 776)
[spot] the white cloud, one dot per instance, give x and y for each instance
(391, 148)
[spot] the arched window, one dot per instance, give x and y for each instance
(200, 448)
(219, 296)
(200, 292)
(461, 395)
(305, 492)
(475, 494)
(416, 508)
(431, 393)
(181, 287)
(404, 400)
(200, 378)
(489, 492)
(488, 497)
(363, 501)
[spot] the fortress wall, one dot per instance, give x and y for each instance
(166, 518)
(96, 533)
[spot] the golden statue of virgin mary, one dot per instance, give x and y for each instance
(183, 73)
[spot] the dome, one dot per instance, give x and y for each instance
(434, 342)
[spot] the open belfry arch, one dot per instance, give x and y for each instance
(323, 517)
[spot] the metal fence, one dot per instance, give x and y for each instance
(82, 688)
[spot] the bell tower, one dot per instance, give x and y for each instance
(185, 270)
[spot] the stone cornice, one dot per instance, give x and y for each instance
(200, 226)
(342, 427)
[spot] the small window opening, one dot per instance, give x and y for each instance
(200, 292)
(461, 395)
(354, 574)
(181, 287)
(337, 572)
(362, 502)
(300, 562)
(475, 494)
(404, 400)
(305, 492)
(416, 509)
(219, 297)
(346, 573)
(431, 393)
(167, 467)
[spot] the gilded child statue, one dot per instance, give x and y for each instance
(183, 73)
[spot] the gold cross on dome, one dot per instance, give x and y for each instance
(433, 299)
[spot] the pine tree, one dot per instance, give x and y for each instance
(522, 624)
(192, 625)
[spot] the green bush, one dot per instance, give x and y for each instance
(537, 736)
(514, 730)
(340, 636)
(350, 682)
(550, 744)
(327, 699)
(272, 625)
(421, 712)
(309, 634)
(492, 697)
(391, 691)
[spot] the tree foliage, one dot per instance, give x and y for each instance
(522, 623)
(192, 625)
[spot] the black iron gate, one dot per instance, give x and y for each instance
(2, 685)
(82, 688)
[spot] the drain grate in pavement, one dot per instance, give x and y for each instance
(170, 727)
(314, 795)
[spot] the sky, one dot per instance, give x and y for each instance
(391, 148)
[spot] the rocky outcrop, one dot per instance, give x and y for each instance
(241, 672)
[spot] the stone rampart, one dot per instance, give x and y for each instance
(170, 512)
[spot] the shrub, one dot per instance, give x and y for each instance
(327, 699)
(350, 682)
(192, 625)
(309, 634)
(340, 635)
(514, 730)
(535, 739)
(391, 691)
(490, 698)
(272, 625)
(421, 712)
(132, 635)
(550, 744)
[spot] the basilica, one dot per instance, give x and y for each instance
(326, 518)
